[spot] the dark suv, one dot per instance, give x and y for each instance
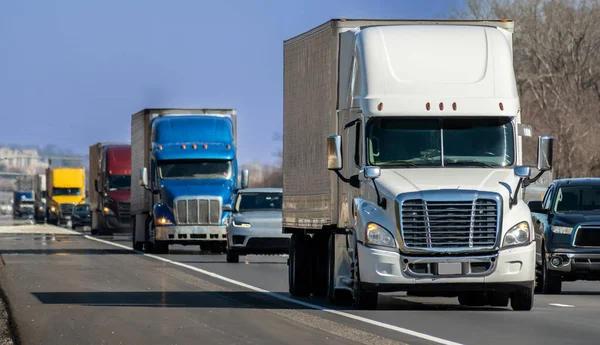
(567, 231)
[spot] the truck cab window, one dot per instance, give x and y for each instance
(187, 168)
(119, 182)
(66, 191)
(357, 145)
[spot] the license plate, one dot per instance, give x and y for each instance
(87, 228)
(448, 268)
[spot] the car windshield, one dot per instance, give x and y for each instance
(119, 182)
(436, 142)
(258, 202)
(577, 199)
(82, 208)
(66, 191)
(186, 168)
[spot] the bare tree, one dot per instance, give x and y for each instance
(557, 64)
(268, 175)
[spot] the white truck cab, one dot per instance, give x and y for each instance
(416, 186)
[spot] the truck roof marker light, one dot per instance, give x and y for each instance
(228, 146)
(454, 106)
(441, 105)
(205, 146)
(501, 106)
(183, 146)
(380, 106)
(427, 106)
(159, 147)
(194, 146)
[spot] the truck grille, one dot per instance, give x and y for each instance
(124, 209)
(449, 224)
(587, 236)
(67, 209)
(198, 211)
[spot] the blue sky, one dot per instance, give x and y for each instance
(72, 72)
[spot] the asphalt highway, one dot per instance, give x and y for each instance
(72, 289)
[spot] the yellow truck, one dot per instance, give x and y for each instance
(65, 188)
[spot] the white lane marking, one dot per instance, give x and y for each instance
(562, 305)
(288, 299)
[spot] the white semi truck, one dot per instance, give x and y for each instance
(402, 163)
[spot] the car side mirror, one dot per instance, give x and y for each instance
(522, 171)
(372, 172)
(536, 207)
(334, 152)
(144, 177)
(245, 178)
(544, 153)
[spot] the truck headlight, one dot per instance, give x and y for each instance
(164, 221)
(108, 211)
(41, 208)
(239, 224)
(53, 209)
(565, 230)
(379, 236)
(518, 234)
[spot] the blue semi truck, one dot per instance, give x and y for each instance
(23, 204)
(184, 177)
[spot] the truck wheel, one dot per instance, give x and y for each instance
(148, 245)
(551, 282)
(320, 270)
(139, 246)
(472, 299)
(300, 263)
(233, 257)
(363, 299)
(522, 299)
(335, 296)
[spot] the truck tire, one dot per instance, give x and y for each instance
(148, 245)
(232, 257)
(551, 283)
(363, 298)
(335, 296)
(522, 299)
(320, 276)
(300, 264)
(139, 246)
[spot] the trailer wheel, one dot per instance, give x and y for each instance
(299, 271)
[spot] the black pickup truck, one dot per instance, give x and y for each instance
(567, 233)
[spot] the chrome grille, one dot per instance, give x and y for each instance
(67, 209)
(449, 224)
(124, 209)
(198, 211)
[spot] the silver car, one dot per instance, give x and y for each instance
(255, 225)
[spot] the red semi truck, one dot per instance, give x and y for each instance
(110, 181)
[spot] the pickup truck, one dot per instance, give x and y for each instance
(567, 233)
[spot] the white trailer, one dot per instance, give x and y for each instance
(402, 163)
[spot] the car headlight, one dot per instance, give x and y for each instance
(108, 211)
(565, 230)
(164, 221)
(239, 224)
(518, 234)
(378, 235)
(53, 209)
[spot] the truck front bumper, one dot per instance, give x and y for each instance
(507, 269)
(191, 233)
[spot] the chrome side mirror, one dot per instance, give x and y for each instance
(144, 177)
(372, 172)
(544, 153)
(522, 171)
(227, 208)
(334, 152)
(245, 178)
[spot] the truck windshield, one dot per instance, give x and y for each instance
(577, 199)
(66, 191)
(187, 168)
(258, 202)
(464, 142)
(119, 182)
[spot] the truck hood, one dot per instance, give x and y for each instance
(172, 189)
(68, 199)
(119, 195)
(396, 181)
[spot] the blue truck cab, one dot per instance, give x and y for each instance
(188, 179)
(23, 204)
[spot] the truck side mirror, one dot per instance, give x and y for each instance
(544, 153)
(334, 152)
(372, 172)
(522, 171)
(144, 177)
(245, 178)
(226, 207)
